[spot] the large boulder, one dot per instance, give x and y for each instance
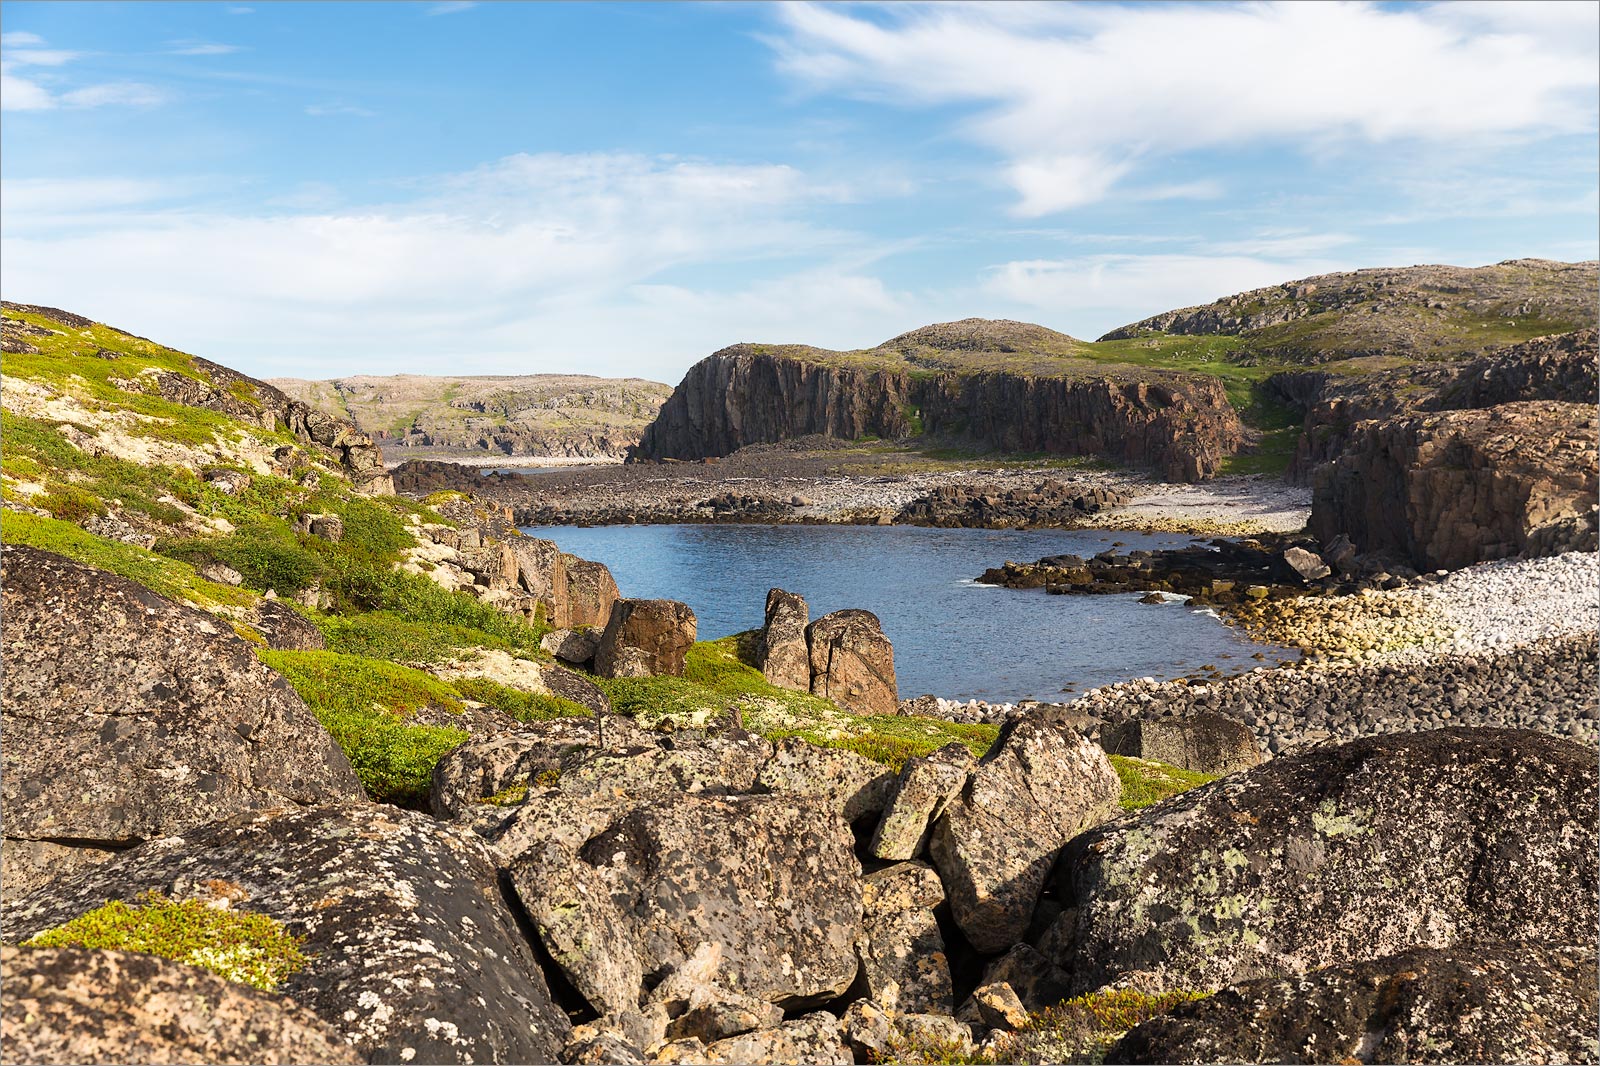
(846, 783)
(925, 785)
(642, 886)
(413, 955)
(903, 961)
(1040, 785)
(1208, 743)
(784, 655)
(1508, 1003)
(1459, 487)
(1335, 854)
(127, 717)
(70, 1006)
(538, 568)
(852, 662)
(645, 638)
(591, 590)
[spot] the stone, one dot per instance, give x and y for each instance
(128, 717)
(1040, 785)
(784, 655)
(925, 785)
(842, 781)
(538, 568)
(1037, 982)
(286, 629)
(1333, 854)
(1307, 564)
(1207, 743)
(70, 1006)
(772, 879)
(936, 1030)
(867, 1030)
(999, 1007)
(576, 688)
(1502, 1003)
(903, 962)
(901, 887)
(812, 1039)
(221, 573)
(645, 638)
(591, 590)
(329, 527)
(601, 1049)
(575, 647)
(852, 662)
(413, 954)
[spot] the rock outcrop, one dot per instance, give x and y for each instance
(994, 846)
(129, 717)
(645, 638)
(1451, 489)
(1333, 855)
(413, 954)
(1504, 1003)
(1001, 385)
(69, 1006)
(852, 662)
(1209, 743)
(784, 655)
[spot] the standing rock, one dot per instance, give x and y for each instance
(1207, 743)
(1509, 1003)
(129, 717)
(1041, 785)
(926, 783)
(413, 954)
(852, 662)
(591, 590)
(539, 568)
(71, 1006)
(1336, 854)
(645, 638)
(785, 657)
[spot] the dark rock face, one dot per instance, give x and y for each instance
(286, 629)
(1041, 785)
(1181, 425)
(128, 717)
(414, 955)
(591, 591)
(1050, 504)
(1510, 1003)
(852, 662)
(1334, 854)
(785, 656)
(1448, 490)
(1209, 743)
(645, 638)
(70, 1006)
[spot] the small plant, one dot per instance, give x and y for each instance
(1145, 782)
(241, 946)
(521, 705)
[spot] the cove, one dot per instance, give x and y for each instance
(952, 637)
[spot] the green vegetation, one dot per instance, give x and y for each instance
(241, 946)
(387, 635)
(1145, 782)
(521, 705)
(718, 675)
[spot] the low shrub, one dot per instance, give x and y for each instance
(1145, 782)
(521, 705)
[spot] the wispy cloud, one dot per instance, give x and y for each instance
(20, 39)
(451, 7)
(201, 48)
(240, 9)
(1078, 99)
(331, 110)
(30, 93)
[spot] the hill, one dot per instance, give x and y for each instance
(560, 415)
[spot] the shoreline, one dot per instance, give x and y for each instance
(506, 462)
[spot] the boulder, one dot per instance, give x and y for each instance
(846, 783)
(926, 783)
(413, 954)
(576, 688)
(591, 590)
(1207, 743)
(645, 638)
(999, 1007)
(286, 629)
(1510, 1003)
(812, 1039)
(1040, 785)
(903, 961)
(575, 647)
(1307, 564)
(868, 1031)
(852, 662)
(71, 1006)
(1335, 854)
(128, 717)
(1037, 982)
(784, 655)
(771, 879)
(538, 568)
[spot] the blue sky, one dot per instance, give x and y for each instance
(319, 189)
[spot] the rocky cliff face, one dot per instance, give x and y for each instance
(1181, 425)
(1458, 487)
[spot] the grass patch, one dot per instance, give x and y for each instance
(251, 949)
(1145, 782)
(521, 705)
(386, 635)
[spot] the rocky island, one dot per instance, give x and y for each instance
(301, 768)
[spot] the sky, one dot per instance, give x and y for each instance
(324, 189)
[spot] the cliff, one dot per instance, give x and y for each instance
(1003, 385)
(559, 415)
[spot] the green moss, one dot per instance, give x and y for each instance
(241, 946)
(70, 503)
(1145, 782)
(521, 705)
(507, 797)
(386, 635)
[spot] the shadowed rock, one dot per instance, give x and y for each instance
(784, 655)
(1208, 743)
(852, 662)
(645, 638)
(925, 785)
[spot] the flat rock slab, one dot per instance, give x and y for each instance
(414, 955)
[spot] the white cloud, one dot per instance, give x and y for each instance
(18, 93)
(240, 9)
(202, 48)
(333, 110)
(451, 7)
(1078, 97)
(20, 39)
(124, 93)
(39, 57)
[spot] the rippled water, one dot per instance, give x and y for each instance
(951, 637)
